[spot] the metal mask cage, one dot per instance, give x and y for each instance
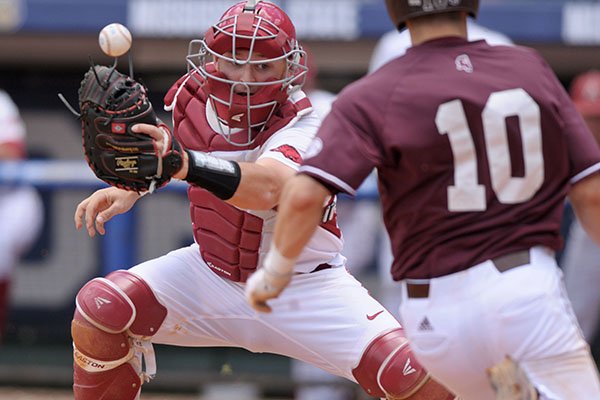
(200, 55)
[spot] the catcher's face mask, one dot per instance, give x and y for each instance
(249, 36)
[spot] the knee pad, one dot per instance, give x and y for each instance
(389, 369)
(113, 322)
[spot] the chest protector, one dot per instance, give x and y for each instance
(229, 238)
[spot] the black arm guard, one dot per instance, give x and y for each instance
(221, 177)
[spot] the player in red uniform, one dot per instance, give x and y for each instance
(245, 124)
(476, 147)
(21, 207)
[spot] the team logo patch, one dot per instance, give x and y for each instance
(117, 127)
(463, 63)
(289, 152)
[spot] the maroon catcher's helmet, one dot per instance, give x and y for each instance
(401, 10)
(258, 27)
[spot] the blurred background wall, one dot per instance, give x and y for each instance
(45, 48)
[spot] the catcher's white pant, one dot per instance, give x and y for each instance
(471, 319)
(326, 318)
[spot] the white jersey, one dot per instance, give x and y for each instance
(21, 209)
(288, 145)
(321, 101)
(12, 128)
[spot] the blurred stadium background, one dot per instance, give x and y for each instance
(44, 50)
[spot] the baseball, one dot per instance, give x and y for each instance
(115, 40)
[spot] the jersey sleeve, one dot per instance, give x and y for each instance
(289, 145)
(346, 148)
(583, 149)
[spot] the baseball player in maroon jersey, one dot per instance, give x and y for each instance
(476, 147)
(245, 125)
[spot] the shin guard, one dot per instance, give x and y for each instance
(389, 369)
(111, 328)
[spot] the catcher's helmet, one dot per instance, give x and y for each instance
(257, 27)
(401, 10)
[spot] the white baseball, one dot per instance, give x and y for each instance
(114, 39)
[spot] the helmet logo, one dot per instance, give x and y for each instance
(431, 5)
(237, 117)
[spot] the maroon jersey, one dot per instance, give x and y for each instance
(475, 148)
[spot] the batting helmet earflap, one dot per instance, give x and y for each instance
(401, 10)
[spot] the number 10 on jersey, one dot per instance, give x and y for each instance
(467, 194)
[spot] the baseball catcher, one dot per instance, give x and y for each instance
(110, 104)
(244, 125)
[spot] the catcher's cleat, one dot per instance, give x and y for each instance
(510, 382)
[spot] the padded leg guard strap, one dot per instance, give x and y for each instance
(389, 369)
(120, 383)
(95, 350)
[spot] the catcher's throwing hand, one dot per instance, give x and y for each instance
(264, 285)
(101, 206)
(110, 104)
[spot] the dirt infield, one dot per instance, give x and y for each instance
(64, 394)
(23, 393)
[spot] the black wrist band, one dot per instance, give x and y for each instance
(218, 176)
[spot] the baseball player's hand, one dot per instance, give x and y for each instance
(162, 141)
(263, 285)
(101, 206)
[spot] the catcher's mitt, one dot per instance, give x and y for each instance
(110, 104)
